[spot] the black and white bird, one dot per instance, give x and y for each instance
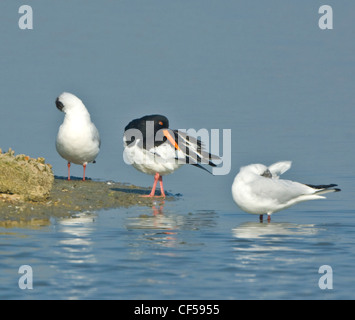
(78, 140)
(257, 189)
(151, 147)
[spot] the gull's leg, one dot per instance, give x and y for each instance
(68, 170)
(84, 166)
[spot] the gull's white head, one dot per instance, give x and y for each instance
(252, 172)
(257, 169)
(69, 103)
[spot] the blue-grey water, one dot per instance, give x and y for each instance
(263, 69)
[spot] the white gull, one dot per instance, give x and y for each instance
(78, 140)
(257, 189)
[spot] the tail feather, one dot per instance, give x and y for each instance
(324, 188)
(201, 167)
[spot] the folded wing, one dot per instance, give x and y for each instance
(279, 168)
(193, 150)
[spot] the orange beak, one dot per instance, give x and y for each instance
(171, 139)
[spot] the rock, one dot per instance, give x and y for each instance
(25, 177)
(29, 191)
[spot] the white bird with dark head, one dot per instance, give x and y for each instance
(78, 140)
(257, 189)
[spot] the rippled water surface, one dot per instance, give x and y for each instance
(265, 70)
(169, 252)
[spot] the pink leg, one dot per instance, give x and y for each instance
(268, 218)
(157, 211)
(152, 193)
(161, 186)
(68, 170)
(84, 166)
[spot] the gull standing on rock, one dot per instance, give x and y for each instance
(257, 189)
(78, 140)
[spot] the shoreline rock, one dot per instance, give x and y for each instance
(29, 190)
(67, 198)
(23, 177)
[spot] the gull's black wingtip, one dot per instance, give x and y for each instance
(323, 186)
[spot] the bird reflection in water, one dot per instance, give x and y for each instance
(76, 255)
(160, 227)
(253, 230)
(268, 248)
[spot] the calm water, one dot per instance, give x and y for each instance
(266, 71)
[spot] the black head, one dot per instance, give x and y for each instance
(153, 123)
(267, 174)
(160, 122)
(59, 104)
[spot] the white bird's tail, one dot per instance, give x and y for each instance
(324, 188)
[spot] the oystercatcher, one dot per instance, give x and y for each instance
(151, 147)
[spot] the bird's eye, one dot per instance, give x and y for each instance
(161, 123)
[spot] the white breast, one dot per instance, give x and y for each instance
(78, 141)
(159, 159)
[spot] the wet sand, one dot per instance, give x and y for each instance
(70, 197)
